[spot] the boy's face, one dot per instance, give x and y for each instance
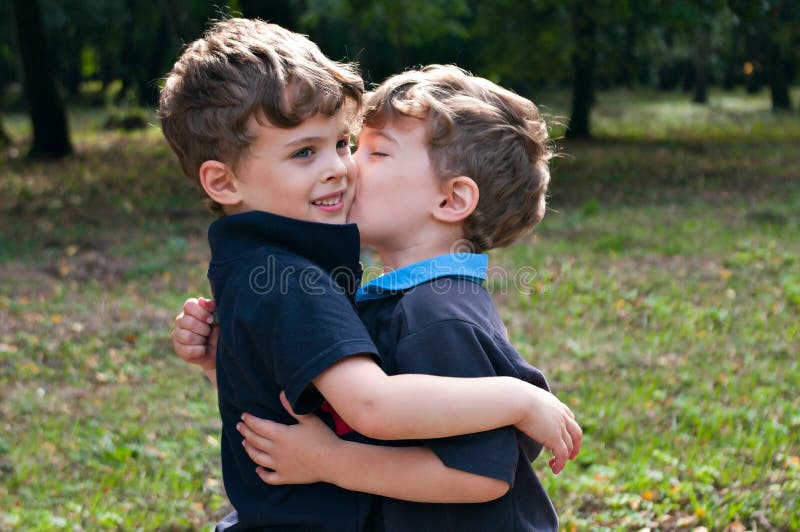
(305, 172)
(398, 186)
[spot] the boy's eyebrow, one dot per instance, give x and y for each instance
(314, 139)
(382, 133)
(304, 140)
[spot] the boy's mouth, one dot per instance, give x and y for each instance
(331, 202)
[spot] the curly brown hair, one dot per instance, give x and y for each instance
(243, 68)
(477, 129)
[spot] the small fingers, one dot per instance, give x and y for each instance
(556, 465)
(207, 304)
(559, 460)
(214, 337)
(193, 308)
(577, 438)
(264, 428)
(269, 477)
(193, 324)
(568, 442)
(257, 440)
(259, 457)
(288, 407)
(187, 337)
(190, 352)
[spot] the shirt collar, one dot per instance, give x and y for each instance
(470, 266)
(333, 247)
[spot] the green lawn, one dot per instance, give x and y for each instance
(661, 295)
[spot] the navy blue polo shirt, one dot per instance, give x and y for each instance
(434, 317)
(284, 292)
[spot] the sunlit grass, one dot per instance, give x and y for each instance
(664, 307)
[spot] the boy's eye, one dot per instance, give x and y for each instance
(304, 153)
(344, 144)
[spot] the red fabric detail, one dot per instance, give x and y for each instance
(341, 425)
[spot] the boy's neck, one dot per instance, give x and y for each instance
(395, 259)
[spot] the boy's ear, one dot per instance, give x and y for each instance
(458, 200)
(218, 181)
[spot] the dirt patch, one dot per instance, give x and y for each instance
(88, 266)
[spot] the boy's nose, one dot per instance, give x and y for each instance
(337, 170)
(335, 175)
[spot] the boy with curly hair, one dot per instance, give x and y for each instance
(261, 120)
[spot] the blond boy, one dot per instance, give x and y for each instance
(260, 118)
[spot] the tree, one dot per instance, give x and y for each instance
(583, 63)
(49, 117)
(782, 22)
(701, 60)
(5, 138)
(777, 24)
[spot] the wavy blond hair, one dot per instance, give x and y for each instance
(477, 129)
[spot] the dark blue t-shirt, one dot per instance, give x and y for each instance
(284, 293)
(424, 321)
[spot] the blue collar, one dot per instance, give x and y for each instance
(470, 266)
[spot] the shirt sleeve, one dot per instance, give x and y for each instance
(312, 325)
(456, 348)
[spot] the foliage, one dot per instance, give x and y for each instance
(526, 44)
(664, 309)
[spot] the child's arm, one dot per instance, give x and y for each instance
(414, 406)
(310, 452)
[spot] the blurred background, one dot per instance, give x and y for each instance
(661, 293)
(113, 53)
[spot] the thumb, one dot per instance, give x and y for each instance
(213, 338)
(288, 407)
(206, 304)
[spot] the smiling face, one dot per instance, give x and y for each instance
(398, 187)
(305, 172)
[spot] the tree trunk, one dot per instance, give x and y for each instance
(702, 40)
(778, 78)
(50, 129)
(155, 66)
(583, 63)
(5, 138)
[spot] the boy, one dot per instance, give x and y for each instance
(424, 163)
(260, 119)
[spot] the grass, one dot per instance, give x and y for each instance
(661, 295)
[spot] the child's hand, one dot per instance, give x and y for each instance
(552, 423)
(195, 336)
(289, 454)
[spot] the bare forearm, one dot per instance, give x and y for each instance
(422, 406)
(409, 473)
